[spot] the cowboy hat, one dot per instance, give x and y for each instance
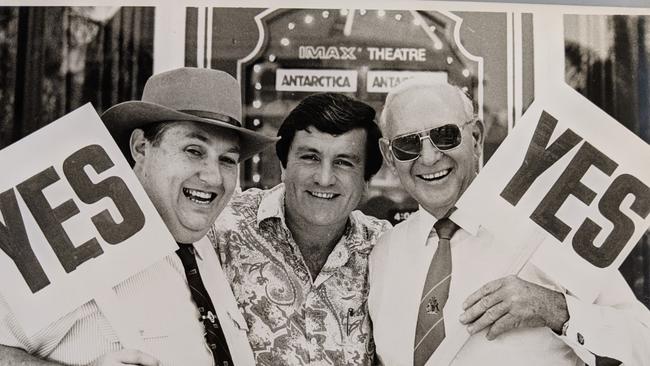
(186, 94)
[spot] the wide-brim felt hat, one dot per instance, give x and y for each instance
(186, 94)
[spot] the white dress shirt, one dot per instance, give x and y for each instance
(617, 325)
(161, 307)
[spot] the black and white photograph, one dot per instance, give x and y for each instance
(276, 182)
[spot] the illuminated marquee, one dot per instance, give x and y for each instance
(396, 54)
(326, 53)
(306, 52)
(383, 81)
(311, 80)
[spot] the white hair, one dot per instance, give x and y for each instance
(424, 84)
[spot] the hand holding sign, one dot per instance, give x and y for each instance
(566, 169)
(565, 175)
(510, 302)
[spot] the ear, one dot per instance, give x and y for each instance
(384, 146)
(478, 137)
(138, 145)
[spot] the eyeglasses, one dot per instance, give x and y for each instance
(407, 147)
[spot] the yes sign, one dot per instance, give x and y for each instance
(13, 236)
(540, 156)
(569, 187)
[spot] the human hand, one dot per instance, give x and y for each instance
(509, 303)
(126, 357)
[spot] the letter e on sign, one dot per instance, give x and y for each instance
(112, 187)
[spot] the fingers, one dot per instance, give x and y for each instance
(135, 357)
(488, 318)
(479, 308)
(505, 323)
(126, 357)
(511, 302)
(485, 290)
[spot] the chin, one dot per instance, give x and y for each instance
(188, 236)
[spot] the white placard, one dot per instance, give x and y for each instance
(74, 220)
(576, 173)
(316, 80)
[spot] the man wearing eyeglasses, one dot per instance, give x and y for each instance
(422, 270)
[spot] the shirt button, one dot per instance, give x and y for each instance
(581, 339)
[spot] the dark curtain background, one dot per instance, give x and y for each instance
(55, 59)
(612, 71)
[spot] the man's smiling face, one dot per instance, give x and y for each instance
(437, 178)
(324, 177)
(189, 175)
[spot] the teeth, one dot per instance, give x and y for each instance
(199, 196)
(322, 195)
(436, 175)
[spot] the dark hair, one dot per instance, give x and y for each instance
(335, 114)
(152, 132)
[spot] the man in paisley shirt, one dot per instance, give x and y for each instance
(296, 255)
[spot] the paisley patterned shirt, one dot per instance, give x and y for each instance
(293, 320)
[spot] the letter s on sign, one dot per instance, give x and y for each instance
(609, 207)
(112, 187)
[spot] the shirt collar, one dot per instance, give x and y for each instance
(356, 236)
(356, 239)
(427, 220)
(199, 247)
(272, 205)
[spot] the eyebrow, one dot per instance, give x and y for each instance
(304, 149)
(201, 137)
(197, 135)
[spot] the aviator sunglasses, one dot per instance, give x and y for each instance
(407, 147)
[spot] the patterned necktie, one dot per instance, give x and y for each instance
(213, 334)
(430, 329)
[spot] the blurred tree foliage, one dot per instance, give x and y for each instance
(55, 59)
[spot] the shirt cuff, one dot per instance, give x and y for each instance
(578, 329)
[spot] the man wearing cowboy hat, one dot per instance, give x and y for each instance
(184, 140)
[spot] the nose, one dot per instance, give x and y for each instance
(429, 154)
(324, 174)
(210, 174)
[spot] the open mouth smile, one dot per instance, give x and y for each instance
(323, 195)
(435, 176)
(200, 197)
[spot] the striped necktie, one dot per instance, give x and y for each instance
(430, 328)
(214, 336)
